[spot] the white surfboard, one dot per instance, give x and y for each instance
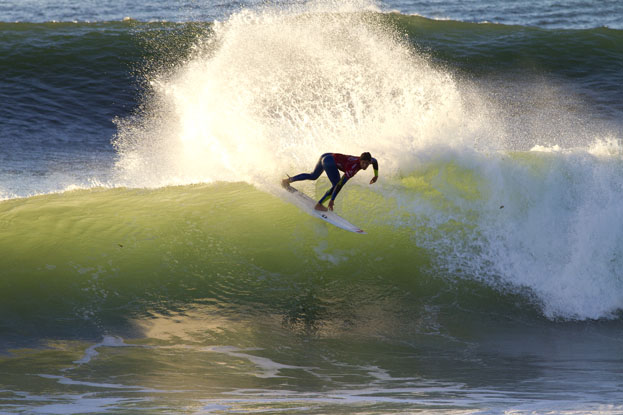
(307, 205)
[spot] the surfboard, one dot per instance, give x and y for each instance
(307, 204)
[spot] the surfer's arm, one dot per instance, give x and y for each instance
(332, 192)
(339, 186)
(375, 166)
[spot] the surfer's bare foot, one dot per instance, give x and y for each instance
(285, 183)
(320, 207)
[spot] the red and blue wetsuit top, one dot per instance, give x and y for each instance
(350, 164)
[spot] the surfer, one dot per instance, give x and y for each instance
(331, 163)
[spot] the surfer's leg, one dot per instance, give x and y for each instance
(310, 176)
(329, 166)
(328, 163)
(326, 196)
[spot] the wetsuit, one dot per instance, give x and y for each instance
(330, 163)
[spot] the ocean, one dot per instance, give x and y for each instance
(150, 262)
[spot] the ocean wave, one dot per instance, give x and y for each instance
(464, 217)
(522, 235)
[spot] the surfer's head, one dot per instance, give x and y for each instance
(364, 160)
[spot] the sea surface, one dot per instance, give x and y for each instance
(150, 263)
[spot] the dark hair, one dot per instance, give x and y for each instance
(366, 156)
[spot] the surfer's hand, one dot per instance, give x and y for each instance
(374, 179)
(331, 205)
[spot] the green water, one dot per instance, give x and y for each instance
(218, 298)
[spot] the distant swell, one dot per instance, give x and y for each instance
(82, 75)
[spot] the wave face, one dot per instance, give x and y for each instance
(92, 261)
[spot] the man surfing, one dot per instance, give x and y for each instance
(330, 163)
